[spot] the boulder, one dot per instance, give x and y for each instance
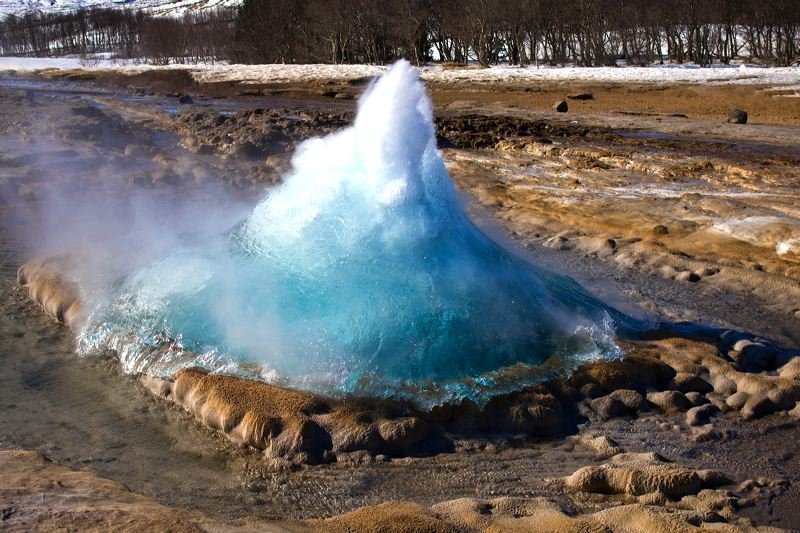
(700, 415)
(624, 402)
(561, 106)
(669, 400)
(402, 434)
(754, 356)
(49, 285)
(696, 398)
(687, 276)
(737, 400)
(636, 475)
(737, 116)
(603, 446)
(660, 229)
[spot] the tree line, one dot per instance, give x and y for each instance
(520, 32)
(197, 36)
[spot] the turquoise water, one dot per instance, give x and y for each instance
(360, 274)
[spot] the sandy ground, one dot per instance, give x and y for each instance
(680, 218)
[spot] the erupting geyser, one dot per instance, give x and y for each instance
(360, 274)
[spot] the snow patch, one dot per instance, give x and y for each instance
(782, 233)
(779, 77)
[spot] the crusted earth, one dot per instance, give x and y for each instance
(37, 494)
(688, 227)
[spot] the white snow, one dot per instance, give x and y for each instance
(775, 77)
(158, 7)
(789, 246)
(781, 232)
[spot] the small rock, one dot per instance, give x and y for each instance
(747, 485)
(700, 416)
(185, 99)
(581, 96)
(737, 400)
(602, 445)
(401, 434)
(619, 403)
(597, 245)
(257, 485)
(737, 116)
(696, 398)
(723, 385)
(557, 243)
(631, 399)
(687, 276)
(660, 230)
(754, 356)
(561, 106)
(669, 400)
(706, 433)
(607, 407)
(706, 272)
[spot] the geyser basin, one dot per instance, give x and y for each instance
(361, 274)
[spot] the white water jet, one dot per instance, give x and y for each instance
(360, 274)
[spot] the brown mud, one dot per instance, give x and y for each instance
(705, 409)
(765, 104)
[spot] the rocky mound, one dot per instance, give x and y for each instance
(294, 426)
(646, 475)
(48, 286)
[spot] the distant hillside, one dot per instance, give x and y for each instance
(160, 7)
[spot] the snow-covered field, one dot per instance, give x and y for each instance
(783, 77)
(18, 7)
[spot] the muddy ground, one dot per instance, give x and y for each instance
(673, 217)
